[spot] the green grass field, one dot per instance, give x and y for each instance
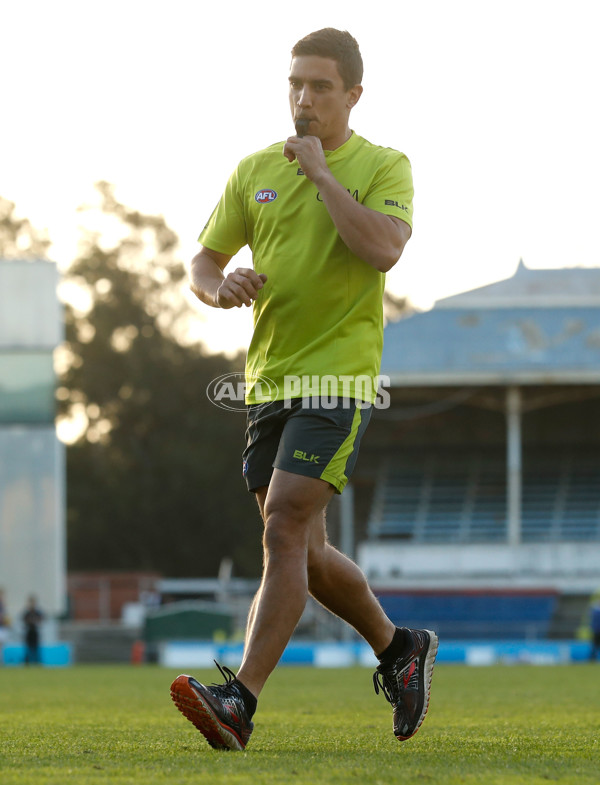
(504, 724)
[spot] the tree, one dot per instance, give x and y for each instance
(154, 478)
(18, 238)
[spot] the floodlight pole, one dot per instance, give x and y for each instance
(514, 466)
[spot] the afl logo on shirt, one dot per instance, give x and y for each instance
(265, 196)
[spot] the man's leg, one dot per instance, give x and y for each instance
(223, 713)
(406, 656)
(292, 507)
(339, 584)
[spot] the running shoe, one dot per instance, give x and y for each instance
(218, 711)
(406, 683)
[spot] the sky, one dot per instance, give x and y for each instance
(495, 104)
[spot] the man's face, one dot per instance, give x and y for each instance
(317, 93)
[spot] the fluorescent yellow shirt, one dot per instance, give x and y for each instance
(320, 313)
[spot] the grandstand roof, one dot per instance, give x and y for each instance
(537, 327)
(566, 286)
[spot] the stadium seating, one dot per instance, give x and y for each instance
(450, 497)
(519, 615)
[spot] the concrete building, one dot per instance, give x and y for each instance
(32, 460)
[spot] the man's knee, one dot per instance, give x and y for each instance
(293, 514)
(296, 496)
(284, 533)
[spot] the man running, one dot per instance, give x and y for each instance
(326, 215)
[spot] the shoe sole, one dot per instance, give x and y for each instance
(432, 650)
(195, 708)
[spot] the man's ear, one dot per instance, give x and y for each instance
(354, 93)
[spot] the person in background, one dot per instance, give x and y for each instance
(4, 624)
(32, 619)
(595, 625)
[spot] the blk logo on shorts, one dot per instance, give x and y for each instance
(265, 196)
(303, 456)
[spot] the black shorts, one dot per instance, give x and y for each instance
(314, 437)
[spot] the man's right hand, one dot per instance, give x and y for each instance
(240, 287)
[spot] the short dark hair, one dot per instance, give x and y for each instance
(336, 45)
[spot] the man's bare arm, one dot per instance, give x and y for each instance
(374, 237)
(209, 283)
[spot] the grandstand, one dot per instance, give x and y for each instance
(485, 470)
(435, 498)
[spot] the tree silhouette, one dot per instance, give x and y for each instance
(154, 478)
(18, 238)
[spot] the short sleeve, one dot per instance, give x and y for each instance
(225, 231)
(391, 191)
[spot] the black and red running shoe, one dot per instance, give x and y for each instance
(407, 681)
(218, 711)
